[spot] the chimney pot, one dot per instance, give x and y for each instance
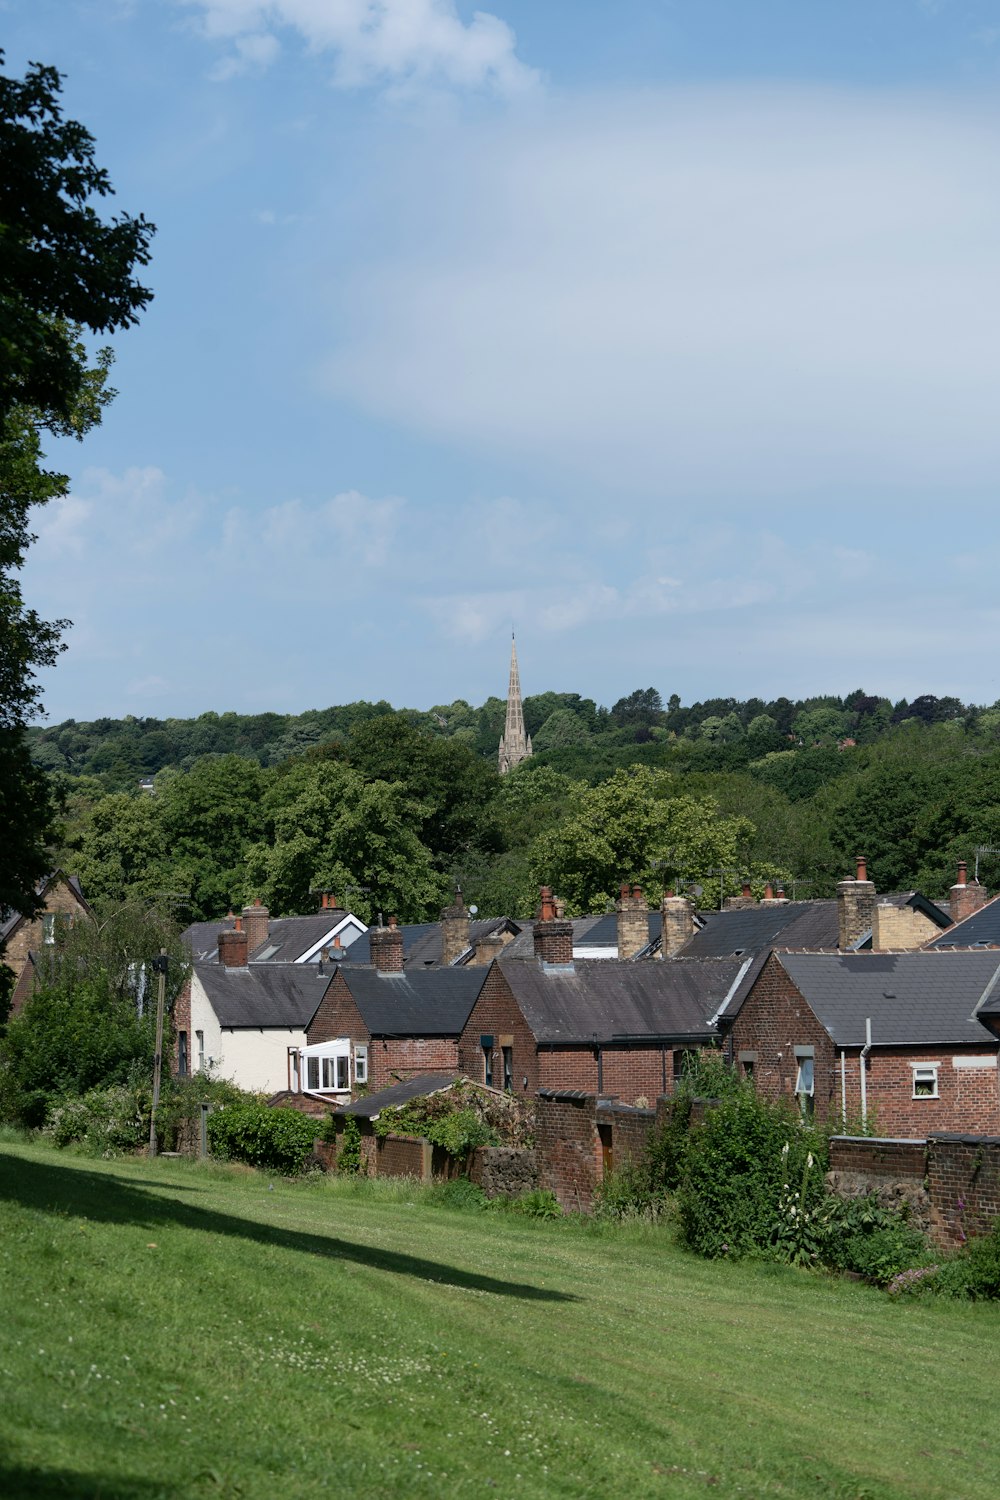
(747, 893)
(768, 892)
(862, 867)
(963, 872)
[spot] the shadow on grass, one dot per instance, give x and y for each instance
(20, 1483)
(101, 1198)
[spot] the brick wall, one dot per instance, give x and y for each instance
(182, 1022)
(901, 927)
(630, 1133)
(28, 936)
(497, 1014)
(402, 1156)
(877, 1157)
(963, 1177)
(774, 1020)
(568, 1150)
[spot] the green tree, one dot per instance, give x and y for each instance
(90, 1018)
(636, 826)
(62, 268)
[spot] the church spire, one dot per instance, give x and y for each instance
(515, 745)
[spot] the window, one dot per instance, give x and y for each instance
(199, 1037)
(925, 1080)
(328, 1066)
(508, 1068)
(747, 1062)
(805, 1080)
(182, 1054)
(361, 1065)
(48, 927)
(486, 1042)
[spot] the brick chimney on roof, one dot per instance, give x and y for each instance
(740, 902)
(966, 896)
(855, 907)
(386, 945)
(456, 923)
(233, 946)
(632, 915)
(256, 921)
(677, 914)
(553, 934)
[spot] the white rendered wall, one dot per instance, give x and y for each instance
(256, 1060)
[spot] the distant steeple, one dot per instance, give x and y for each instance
(516, 744)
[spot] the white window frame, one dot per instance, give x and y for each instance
(199, 1037)
(925, 1072)
(48, 928)
(326, 1067)
(361, 1063)
(805, 1055)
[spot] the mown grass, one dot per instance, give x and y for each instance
(172, 1329)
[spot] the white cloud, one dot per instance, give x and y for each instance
(373, 41)
(715, 291)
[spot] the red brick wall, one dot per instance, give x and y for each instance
(900, 1160)
(182, 1022)
(496, 1013)
(337, 1015)
(963, 1175)
(568, 1151)
(630, 1135)
(774, 1021)
(402, 1156)
(390, 1059)
(968, 1102)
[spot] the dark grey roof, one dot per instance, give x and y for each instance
(983, 927)
(264, 995)
(372, 1105)
(913, 999)
(422, 945)
(418, 1002)
(287, 937)
(523, 946)
(616, 1000)
(755, 929)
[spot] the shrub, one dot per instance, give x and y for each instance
(458, 1193)
(743, 1167)
(104, 1122)
(628, 1194)
(974, 1272)
(349, 1155)
(862, 1236)
(279, 1140)
(538, 1204)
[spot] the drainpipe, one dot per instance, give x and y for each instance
(843, 1088)
(864, 1082)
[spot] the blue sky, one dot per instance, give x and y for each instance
(667, 331)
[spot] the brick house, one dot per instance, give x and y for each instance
(603, 1026)
(22, 937)
(897, 1036)
(280, 940)
(376, 1027)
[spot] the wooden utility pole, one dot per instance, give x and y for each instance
(160, 970)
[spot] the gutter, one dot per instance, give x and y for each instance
(863, 1067)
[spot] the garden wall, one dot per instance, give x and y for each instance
(951, 1181)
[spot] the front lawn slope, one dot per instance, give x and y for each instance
(178, 1330)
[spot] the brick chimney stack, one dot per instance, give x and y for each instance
(233, 946)
(553, 934)
(966, 895)
(256, 920)
(455, 929)
(770, 899)
(632, 913)
(678, 923)
(856, 913)
(740, 902)
(386, 946)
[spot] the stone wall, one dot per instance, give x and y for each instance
(504, 1171)
(951, 1181)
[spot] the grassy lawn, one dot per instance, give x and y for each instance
(172, 1329)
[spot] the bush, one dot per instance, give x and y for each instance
(752, 1180)
(628, 1194)
(974, 1272)
(279, 1140)
(538, 1204)
(105, 1122)
(458, 1193)
(349, 1155)
(877, 1243)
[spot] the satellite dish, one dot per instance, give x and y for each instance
(697, 890)
(473, 910)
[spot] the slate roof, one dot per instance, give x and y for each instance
(983, 927)
(372, 1105)
(422, 944)
(289, 937)
(913, 999)
(755, 929)
(616, 1000)
(420, 1002)
(266, 995)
